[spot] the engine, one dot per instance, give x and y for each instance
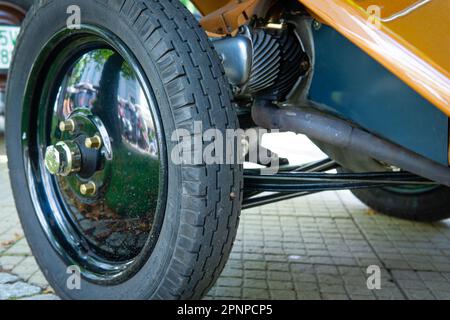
(263, 63)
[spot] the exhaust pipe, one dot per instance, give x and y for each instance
(329, 129)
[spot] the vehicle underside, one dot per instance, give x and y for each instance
(279, 67)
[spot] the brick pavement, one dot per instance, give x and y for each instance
(317, 247)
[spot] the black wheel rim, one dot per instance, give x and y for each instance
(91, 79)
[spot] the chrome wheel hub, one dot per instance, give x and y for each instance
(83, 157)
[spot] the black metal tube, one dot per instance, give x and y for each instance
(323, 127)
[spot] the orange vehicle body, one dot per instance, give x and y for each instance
(411, 38)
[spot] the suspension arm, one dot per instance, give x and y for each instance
(296, 181)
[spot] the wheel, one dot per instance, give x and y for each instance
(423, 203)
(90, 150)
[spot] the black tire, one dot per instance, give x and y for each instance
(201, 218)
(423, 204)
(429, 206)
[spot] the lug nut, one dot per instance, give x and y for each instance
(67, 126)
(63, 158)
(88, 189)
(94, 142)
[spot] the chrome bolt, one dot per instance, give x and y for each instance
(305, 65)
(94, 142)
(67, 126)
(63, 158)
(317, 25)
(88, 189)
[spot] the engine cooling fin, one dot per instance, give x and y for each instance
(266, 61)
(277, 58)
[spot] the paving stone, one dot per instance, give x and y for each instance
(301, 286)
(330, 279)
(281, 285)
(255, 284)
(332, 288)
(278, 275)
(405, 274)
(309, 295)
(250, 293)
(230, 272)
(355, 297)
(6, 278)
(255, 265)
(26, 268)
(412, 284)
(283, 294)
(38, 279)
(228, 292)
(229, 282)
(8, 263)
(17, 290)
(419, 294)
(19, 248)
(254, 274)
(389, 294)
(335, 296)
(284, 267)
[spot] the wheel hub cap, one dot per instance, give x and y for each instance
(98, 159)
